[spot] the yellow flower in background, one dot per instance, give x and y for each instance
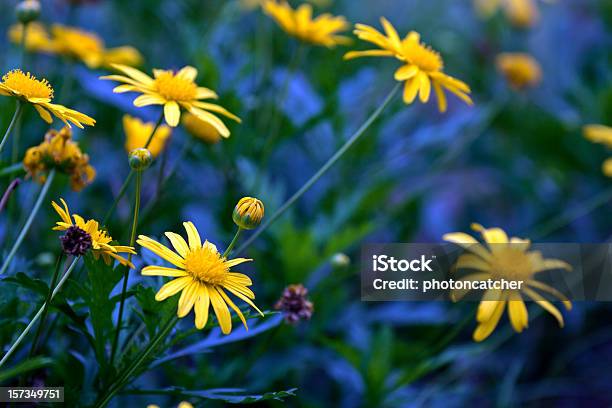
(299, 23)
(202, 276)
(600, 134)
(422, 69)
(520, 70)
(252, 4)
(182, 404)
(509, 259)
(100, 240)
(39, 93)
(60, 152)
(90, 48)
(200, 129)
(37, 39)
(137, 133)
(521, 13)
(172, 90)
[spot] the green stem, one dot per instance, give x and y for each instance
(122, 190)
(123, 376)
(46, 304)
(332, 160)
(126, 274)
(16, 115)
(157, 124)
(9, 170)
(231, 245)
(37, 316)
(28, 223)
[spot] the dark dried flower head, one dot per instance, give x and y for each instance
(75, 241)
(294, 304)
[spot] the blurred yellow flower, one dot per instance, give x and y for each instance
(90, 48)
(182, 404)
(137, 134)
(202, 276)
(100, 240)
(322, 30)
(37, 39)
(60, 152)
(39, 93)
(200, 129)
(173, 90)
(422, 69)
(520, 70)
(521, 13)
(509, 259)
(600, 134)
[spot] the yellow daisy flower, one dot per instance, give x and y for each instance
(422, 69)
(100, 240)
(39, 93)
(90, 48)
(299, 23)
(520, 70)
(60, 152)
(172, 90)
(202, 276)
(137, 133)
(509, 259)
(600, 134)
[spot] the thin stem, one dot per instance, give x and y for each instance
(37, 316)
(127, 372)
(28, 223)
(159, 121)
(126, 274)
(16, 115)
(24, 37)
(231, 245)
(9, 190)
(46, 304)
(122, 190)
(9, 170)
(332, 160)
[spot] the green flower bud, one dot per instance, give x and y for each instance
(140, 159)
(27, 11)
(248, 213)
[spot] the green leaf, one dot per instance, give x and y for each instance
(23, 280)
(228, 395)
(152, 312)
(24, 367)
(102, 280)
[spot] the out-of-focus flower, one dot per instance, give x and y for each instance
(600, 134)
(27, 11)
(182, 404)
(248, 213)
(294, 304)
(509, 259)
(137, 134)
(340, 260)
(172, 90)
(520, 70)
(75, 43)
(39, 93)
(90, 48)
(202, 276)
(37, 38)
(521, 13)
(59, 151)
(200, 129)
(422, 69)
(252, 4)
(322, 30)
(100, 240)
(140, 159)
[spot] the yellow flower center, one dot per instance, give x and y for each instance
(27, 85)
(206, 265)
(423, 57)
(511, 264)
(175, 88)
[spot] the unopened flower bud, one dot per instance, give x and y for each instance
(140, 159)
(248, 213)
(27, 11)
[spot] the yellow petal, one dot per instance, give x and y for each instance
(201, 307)
(192, 235)
(187, 299)
(178, 243)
(172, 113)
(410, 90)
(517, 312)
(425, 87)
(545, 304)
(485, 329)
(406, 72)
(233, 306)
(221, 310)
(173, 287)
(161, 251)
(188, 72)
(162, 271)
